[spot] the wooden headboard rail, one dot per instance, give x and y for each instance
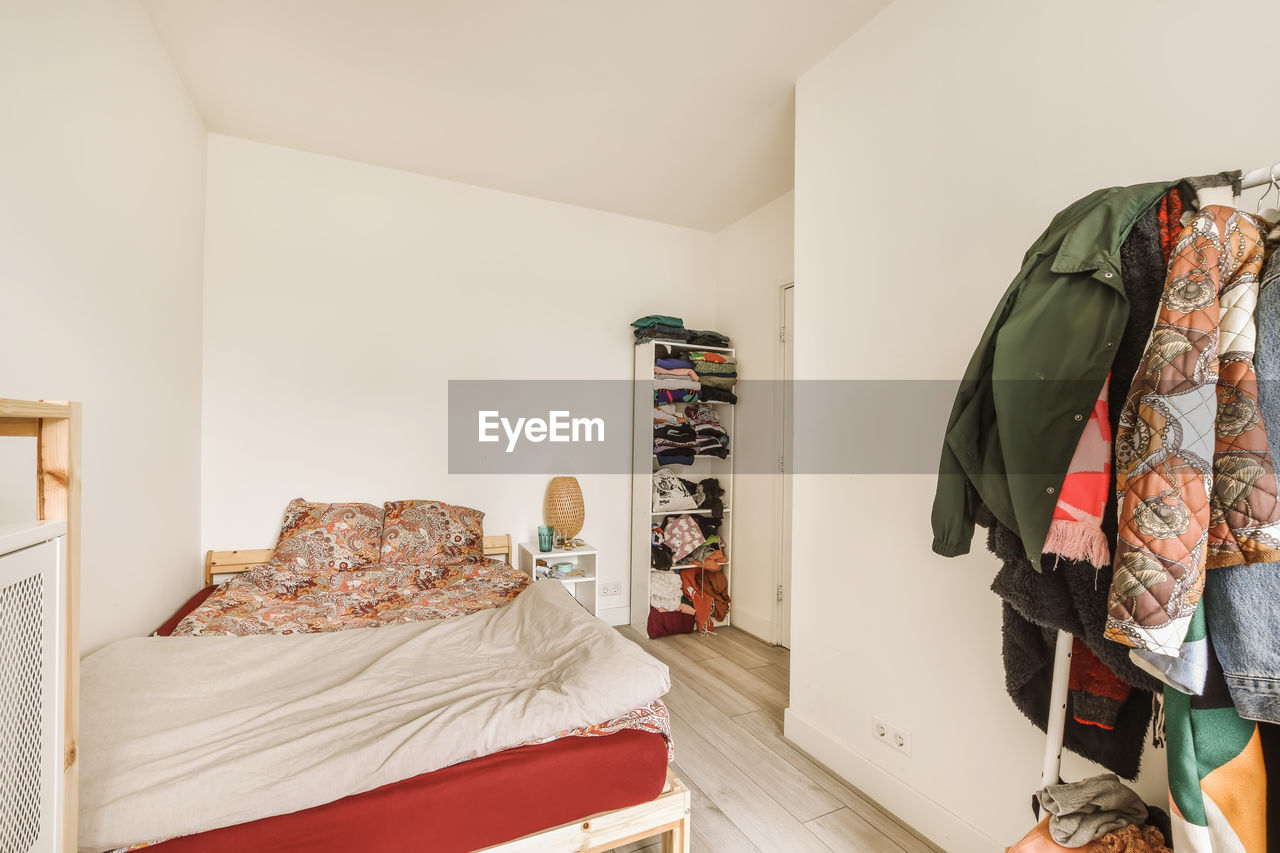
(237, 562)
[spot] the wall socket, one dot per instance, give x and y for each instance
(608, 589)
(893, 737)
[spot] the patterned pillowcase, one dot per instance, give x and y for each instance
(418, 532)
(683, 535)
(316, 537)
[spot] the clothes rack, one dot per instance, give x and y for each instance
(1260, 176)
(1054, 731)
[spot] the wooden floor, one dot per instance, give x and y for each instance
(752, 790)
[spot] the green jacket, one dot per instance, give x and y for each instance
(1036, 374)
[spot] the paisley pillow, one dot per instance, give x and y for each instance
(419, 532)
(316, 537)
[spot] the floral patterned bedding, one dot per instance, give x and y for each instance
(284, 600)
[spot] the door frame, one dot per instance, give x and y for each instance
(784, 452)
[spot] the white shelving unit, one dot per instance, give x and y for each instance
(644, 464)
(584, 588)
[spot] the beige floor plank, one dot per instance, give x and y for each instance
(712, 832)
(759, 817)
(772, 654)
(774, 676)
(724, 643)
(724, 695)
(769, 732)
(761, 693)
(693, 645)
(797, 793)
(845, 832)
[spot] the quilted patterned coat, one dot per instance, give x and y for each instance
(1194, 477)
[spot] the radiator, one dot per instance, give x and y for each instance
(32, 686)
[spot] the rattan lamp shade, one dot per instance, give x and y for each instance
(563, 508)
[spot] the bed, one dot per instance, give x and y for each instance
(586, 788)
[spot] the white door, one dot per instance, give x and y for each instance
(788, 404)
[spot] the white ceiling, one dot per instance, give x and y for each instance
(679, 111)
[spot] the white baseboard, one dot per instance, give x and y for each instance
(757, 626)
(615, 616)
(944, 828)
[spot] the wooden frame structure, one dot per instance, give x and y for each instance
(667, 815)
(56, 428)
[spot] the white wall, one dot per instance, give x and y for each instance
(341, 297)
(932, 148)
(101, 226)
(754, 259)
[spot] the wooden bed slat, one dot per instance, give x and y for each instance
(667, 815)
(19, 427)
(34, 409)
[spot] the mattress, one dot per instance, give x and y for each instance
(464, 807)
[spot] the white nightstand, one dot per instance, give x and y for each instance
(584, 587)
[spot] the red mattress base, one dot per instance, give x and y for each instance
(465, 807)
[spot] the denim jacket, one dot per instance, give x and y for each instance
(1242, 603)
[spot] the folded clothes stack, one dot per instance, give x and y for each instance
(653, 327)
(681, 435)
(669, 396)
(675, 441)
(714, 371)
(686, 376)
(713, 440)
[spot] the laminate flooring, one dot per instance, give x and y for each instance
(752, 790)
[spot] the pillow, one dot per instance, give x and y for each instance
(418, 532)
(682, 535)
(316, 537)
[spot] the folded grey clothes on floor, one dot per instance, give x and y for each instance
(1085, 810)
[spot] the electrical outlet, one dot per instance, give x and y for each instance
(610, 589)
(893, 737)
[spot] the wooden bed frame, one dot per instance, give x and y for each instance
(667, 815)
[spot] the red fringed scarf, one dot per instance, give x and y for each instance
(1076, 529)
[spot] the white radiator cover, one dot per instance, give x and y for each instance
(32, 685)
